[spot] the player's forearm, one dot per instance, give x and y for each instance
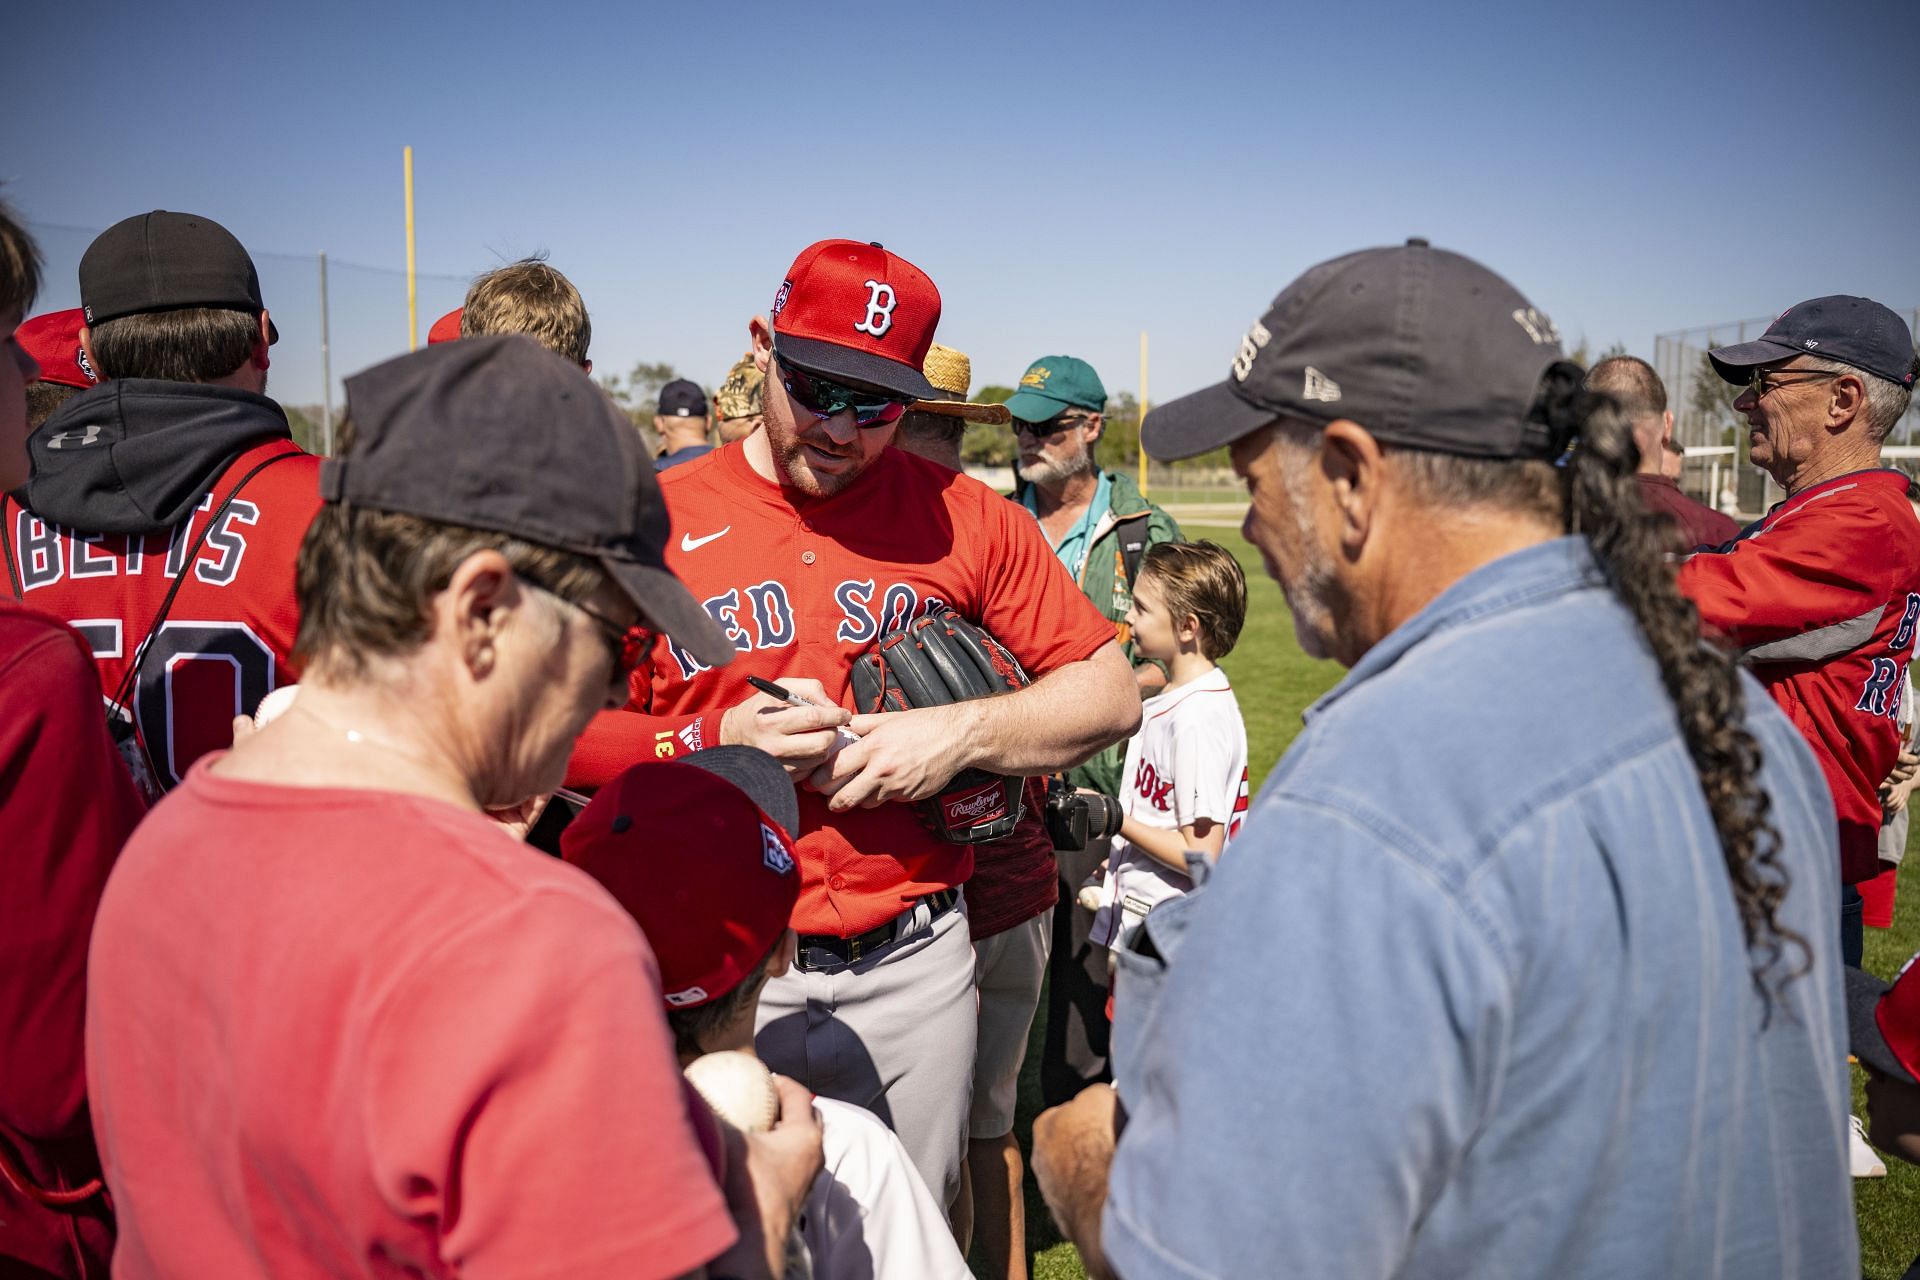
(613, 740)
(1062, 719)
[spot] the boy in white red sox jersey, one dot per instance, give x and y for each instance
(1185, 781)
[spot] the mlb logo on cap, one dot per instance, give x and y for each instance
(856, 313)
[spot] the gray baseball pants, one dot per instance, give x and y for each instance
(894, 1033)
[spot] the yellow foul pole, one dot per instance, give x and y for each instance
(413, 306)
(1143, 410)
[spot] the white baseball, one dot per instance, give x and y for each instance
(274, 705)
(738, 1087)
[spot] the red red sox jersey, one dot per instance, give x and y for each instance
(227, 639)
(1188, 762)
(803, 586)
(1822, 598)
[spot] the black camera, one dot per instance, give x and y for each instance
(1075, 820)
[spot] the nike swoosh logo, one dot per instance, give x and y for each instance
(690, 543)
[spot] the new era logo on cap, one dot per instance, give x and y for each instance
(856, 313)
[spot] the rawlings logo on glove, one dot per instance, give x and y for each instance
(938, 660)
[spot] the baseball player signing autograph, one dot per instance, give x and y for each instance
(807, 541)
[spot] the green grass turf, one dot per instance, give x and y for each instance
(1275, 682)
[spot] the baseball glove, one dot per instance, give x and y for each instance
(937, 660)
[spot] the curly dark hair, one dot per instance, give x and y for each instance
(1703, 680)
(1591, 491)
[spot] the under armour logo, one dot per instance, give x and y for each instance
(1250, 346)
(74, 439)
(880, 304)
(1320, 387)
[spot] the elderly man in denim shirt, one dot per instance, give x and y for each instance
(1513, 970)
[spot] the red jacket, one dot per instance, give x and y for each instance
(1822, 598)
(66, 807)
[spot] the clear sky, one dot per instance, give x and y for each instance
(1068, 174)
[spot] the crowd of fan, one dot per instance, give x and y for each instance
(1538, 953)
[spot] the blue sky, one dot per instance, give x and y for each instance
(1068, 174)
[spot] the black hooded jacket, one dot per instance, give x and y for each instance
(136, 455)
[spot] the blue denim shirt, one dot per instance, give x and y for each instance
(1469, 995)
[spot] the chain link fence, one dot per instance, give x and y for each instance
(335, 318)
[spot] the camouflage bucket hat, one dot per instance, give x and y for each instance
(740, 395)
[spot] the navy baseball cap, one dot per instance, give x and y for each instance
(163, 261)
(682, 399)
(1423, 347)
(1855, 331)
(498, 433)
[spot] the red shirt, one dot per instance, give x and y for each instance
(356, 1033)
(1699, 524)
(66, 807)
(1014, 879)
(228, 638)
(1822, 597)
(804, 586)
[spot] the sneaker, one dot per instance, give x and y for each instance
(1865, 1160)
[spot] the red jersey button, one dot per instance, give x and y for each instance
(806, 557)
(836, 882)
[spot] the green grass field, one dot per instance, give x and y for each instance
(1275, 682)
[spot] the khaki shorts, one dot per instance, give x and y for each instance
(1008, 968)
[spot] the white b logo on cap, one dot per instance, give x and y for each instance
(880, 304)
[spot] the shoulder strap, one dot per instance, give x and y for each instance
(1132, 533)
(130, 680)
(6, 548)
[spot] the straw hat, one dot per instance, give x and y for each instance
(951, 373)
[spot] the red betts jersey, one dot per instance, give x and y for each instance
(228, 637)
(805, 585)
(1822, 597)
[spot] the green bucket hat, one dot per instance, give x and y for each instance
(1054, 383)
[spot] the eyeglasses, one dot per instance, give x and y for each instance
(826, 399)
(1761, 381)
(627, 646)
(1052, 426)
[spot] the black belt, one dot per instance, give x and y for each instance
(824, 950)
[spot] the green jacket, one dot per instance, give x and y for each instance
(1105, 581)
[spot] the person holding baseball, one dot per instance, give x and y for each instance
(807, 542)
(1524, 963)
(340, 1022)
(699, 853)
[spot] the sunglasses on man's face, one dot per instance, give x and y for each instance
(825, 399)
(1761, 381)
(1052, 426)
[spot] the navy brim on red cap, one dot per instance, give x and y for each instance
(862, 368)
(1864, 1037)
(1733, 363)
(1201, 422)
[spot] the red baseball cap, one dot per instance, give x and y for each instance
(853, 312)
(446, 328)
(53, 340)
(709, 877)
(1883, 1021)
